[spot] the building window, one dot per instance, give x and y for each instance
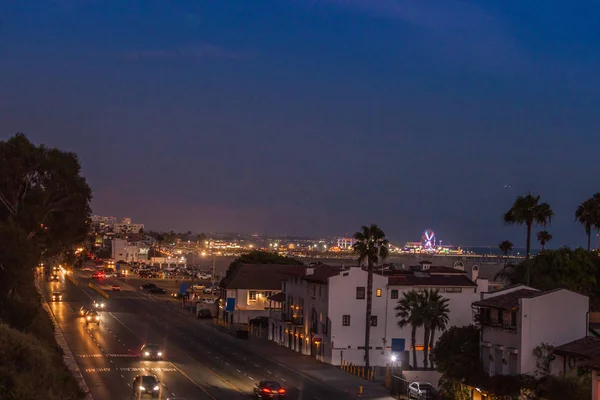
(360, 292)
(378, 292)
(345, 320)
(373, 320)
(513, 318)
(506, 317)
(454, 290)
(252, 295)
(394, 293)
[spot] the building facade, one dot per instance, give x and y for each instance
(323, 313)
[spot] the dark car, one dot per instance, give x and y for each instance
(262, 322)
(204, 313)
(157, 290)
(54, 278)
(147, 286)
(57, 296)
(269, 390)
(92, 317)
(151, 352)
(146, 385)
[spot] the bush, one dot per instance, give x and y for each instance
(30, 370)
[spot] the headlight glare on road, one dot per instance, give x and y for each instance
(160, 353)
(147, 353)
(89, 318)
(156, 388)
(142, 388)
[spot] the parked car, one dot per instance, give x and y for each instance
(157, 290)
(421, 391)
(198, 286)
(204, 313)
(204, 276)
(269, 390)
(208, 301)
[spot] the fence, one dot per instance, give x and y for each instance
(362, 372)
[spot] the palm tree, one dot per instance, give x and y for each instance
(506, 247)
(588, 215)
(438, 316)
(544, 237)
(528, 210)
(372, 246)
(408, 312)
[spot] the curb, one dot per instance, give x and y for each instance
(68, 358)
(98, 290)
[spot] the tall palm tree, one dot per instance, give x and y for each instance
(528, 210)
(506, 247)
(409, 312)
(544, 237)
(438, 316)
(371, 246)
(588, 215)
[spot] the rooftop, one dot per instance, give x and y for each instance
(322, 272)
(424, 279)
(263, 276)
(587, 348)
(509, 300)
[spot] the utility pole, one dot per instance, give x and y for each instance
(213, 272)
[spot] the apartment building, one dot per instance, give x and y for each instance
(516, 320)
(323, 311)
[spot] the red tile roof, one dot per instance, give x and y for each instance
(263, 276)
(587, 347)
(509, 300)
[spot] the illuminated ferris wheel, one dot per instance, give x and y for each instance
(428, 240)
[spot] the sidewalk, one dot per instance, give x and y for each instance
(312, 368)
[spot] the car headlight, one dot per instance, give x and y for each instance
(142, 388)
(89, 318)
(97, 318)
(156, 387)
(160, 353)
(102, 305)
(147, 353)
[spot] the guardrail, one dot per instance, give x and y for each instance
(69, 277)
(98, 290)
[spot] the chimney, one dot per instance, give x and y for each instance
(310, 271)
(425, 265)
(474, 273)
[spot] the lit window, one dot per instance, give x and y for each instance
(252, 295)
(378, 292)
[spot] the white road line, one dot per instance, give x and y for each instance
(226, 363)
(283, 379)
(122, 376)
(251, 377)
(256, 365)
(238, 370)
(269, 372)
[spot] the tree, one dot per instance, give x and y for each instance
(456, 354)
(588, 215)
(409, 313)
(371, 246)
(505, 247)
(528, 210)
(543, 237)
(437, 316)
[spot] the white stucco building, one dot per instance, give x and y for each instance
(122, 250)
(516, 320)
(126, 226)
(324, 310)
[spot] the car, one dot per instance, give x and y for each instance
(207, 290)
(98, 275)
(216, 290)
(54, 278)
(57, 296)
(204, 276)
(83, 311)
(92, 317)
(146, 385)
(147, 286)
(116, 288)
(151, 352)
(99, 304)
(421, 391)
(204, 313)
(157, 290)
(209, 301)
(198, 286)
(269, 390)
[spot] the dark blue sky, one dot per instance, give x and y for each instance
(314, 117)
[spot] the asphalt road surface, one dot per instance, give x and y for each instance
(201, 362)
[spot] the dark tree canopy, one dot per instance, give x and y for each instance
(456, 354)
(257, 257)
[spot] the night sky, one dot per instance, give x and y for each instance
(314, 117)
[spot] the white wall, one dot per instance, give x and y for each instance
(555, 318)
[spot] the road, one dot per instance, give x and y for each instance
(202, 363)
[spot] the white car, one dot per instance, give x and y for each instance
(208, 301)
(421, 391)
(204, 276)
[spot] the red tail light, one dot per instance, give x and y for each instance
(281, 390)
(266, 390)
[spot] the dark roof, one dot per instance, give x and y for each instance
(587, 347)
(279, 297)
(322, 272)
(411, 279)
(509, 300)
(263, 276)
